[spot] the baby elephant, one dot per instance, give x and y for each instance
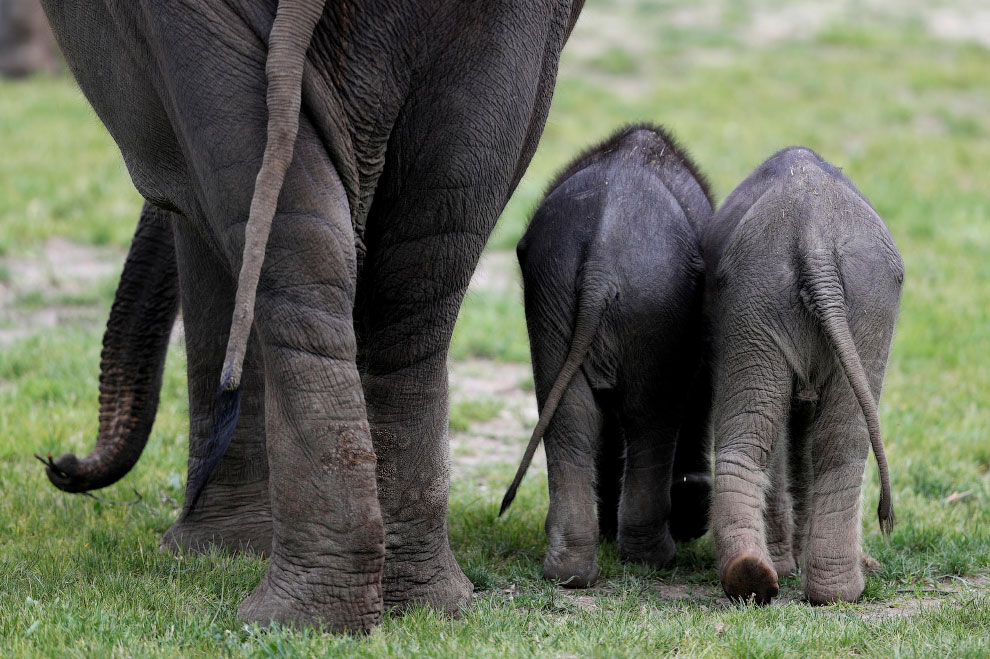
(613, 282)
(803, 288)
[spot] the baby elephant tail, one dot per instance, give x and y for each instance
(593, 301)
(292, 30)
(822, 293)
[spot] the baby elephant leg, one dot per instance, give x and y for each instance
(644, 509)
(609, 486)
(752, 390)
(779, 514)
(839, 447)
(691, 486)
(571, 444)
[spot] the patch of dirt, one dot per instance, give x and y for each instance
(501, 439)
(497, 272)
(970, 23)
(955, 592)
(32, 287)
(608, 24)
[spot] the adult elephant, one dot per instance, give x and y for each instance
(416, 122)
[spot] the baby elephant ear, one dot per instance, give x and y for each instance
(292, 31)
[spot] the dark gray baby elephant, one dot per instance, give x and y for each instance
(612, 274)
(802, 294)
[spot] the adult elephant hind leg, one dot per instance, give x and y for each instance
(328, 547)
(233, 511)
(752, 389)
(840, 445)
(464, 136)
(406, 318)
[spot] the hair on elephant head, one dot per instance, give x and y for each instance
(804, 283)
(613, 282)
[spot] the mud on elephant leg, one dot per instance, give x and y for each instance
(748, 415)
(234, 511)
(840, 445)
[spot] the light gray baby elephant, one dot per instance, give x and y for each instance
(802, 291)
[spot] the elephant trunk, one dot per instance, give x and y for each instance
(593, 300)
(132, 361)
(822, 293)
(292, 30)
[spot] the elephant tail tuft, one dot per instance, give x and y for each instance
(822, 293)
(228, 408)
(594, 298)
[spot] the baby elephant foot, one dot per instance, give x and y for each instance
(690, 495)
(572, 568)
(436, 582)
(782, 558)
(784, 565)
(825, 588)
(747, 576)
(647, 547)
(869, 564)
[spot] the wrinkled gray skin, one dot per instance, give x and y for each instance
(613, 282)
(417, 122)
(804, 283)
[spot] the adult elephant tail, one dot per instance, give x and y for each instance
(133, 358)
(822, 293)
(292, 31)
(593, 301)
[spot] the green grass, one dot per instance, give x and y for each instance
(904, 116)
(477, 409)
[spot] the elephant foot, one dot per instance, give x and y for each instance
(571, 568)
(313, 601)
(869, 564)
(437, 582)
(823, 588)
(746, 576)
(649, 548)
(242, 524)
(784, 565)
(782, 558)
(690, 497)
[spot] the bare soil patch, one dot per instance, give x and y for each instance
(37, 292)
(501, 439)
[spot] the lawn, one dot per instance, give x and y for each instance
(885, 91)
